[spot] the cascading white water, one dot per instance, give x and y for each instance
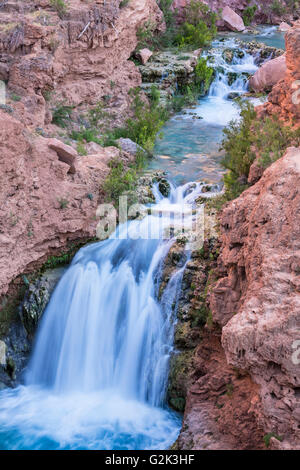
(102, 352)
(231, 79)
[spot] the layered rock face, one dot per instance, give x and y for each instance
(284, 100)
(257, 299)
(44, 205)
(77, 56)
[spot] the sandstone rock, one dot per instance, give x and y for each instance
(127, 145)
(232, 20)
(284, 100)
(144, 55)
(257, 299)
(284, 27)
(44, 53)
(33, 181)
(65, 153)
(269, 74)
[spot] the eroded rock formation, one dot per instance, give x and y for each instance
(77, 57)
(284, 100)
(257, 300)
(43, 205)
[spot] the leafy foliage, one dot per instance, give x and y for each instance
(266, 138)
(199, 28)
(61, 114)
(60, 6)
(248, 14)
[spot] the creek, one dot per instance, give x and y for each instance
(98, 372)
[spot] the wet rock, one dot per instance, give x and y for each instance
(228, 55)
(232, 96)
(37, 298)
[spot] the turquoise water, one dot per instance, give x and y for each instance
(269, 35)
(189, 148)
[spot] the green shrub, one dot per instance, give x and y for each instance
(63, 203)
(61, 115)
(248, 14)
(272, 139)
(81, 150)
(203, 75)
(239, 154)
(15, 97)
(124, 3)
(87, 135)
(119, 180)
(60, 7)
(147, 120)
(267, 438)
(199, 28)
(267, 138)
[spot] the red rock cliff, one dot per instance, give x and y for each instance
(257, 300)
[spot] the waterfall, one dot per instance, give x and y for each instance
(103, 346)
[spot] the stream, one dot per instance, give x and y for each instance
(98, 372)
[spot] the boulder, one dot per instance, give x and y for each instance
(65, 153)
(127, 145)
(269, 74)
(232, 20)
(284, 27)
(144, 55)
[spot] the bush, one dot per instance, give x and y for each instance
(203, 76)
(147, 120)
(60, 7)
(266, 138)
(248, 14)
(119, 180)
(199, 28)
(278, 7)
(61, 115)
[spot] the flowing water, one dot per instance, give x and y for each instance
(190, 146)
(98, 373)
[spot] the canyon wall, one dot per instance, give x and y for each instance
(244, 389)
(49, 193)
(257, 299)
(77, 57)
(267, 11)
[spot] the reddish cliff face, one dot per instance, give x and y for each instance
(78, 59)
(257, 299)
(284, 99)
(44, 205)
(48, 193)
